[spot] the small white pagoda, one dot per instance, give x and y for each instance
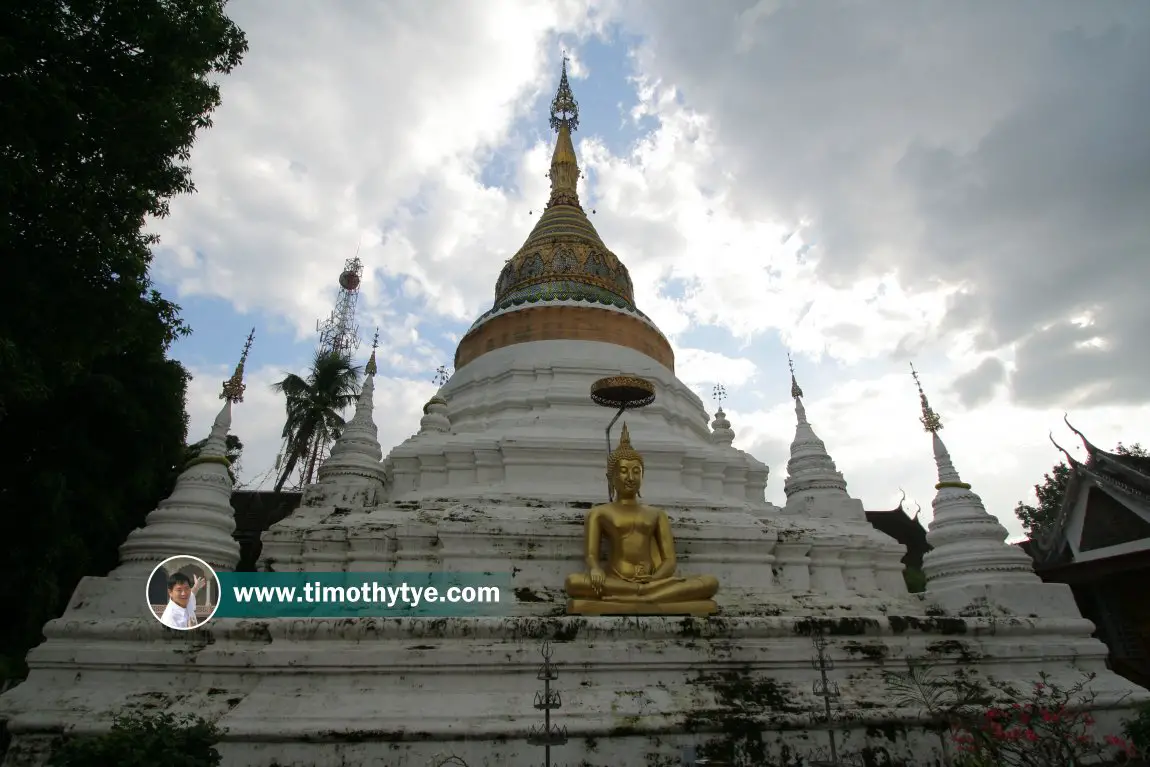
(509, 457)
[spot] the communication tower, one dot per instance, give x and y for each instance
(338, 333)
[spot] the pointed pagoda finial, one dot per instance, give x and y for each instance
(371, 367)
(719, 393)
(564, 173)
(625, 439)
(564, 107)
(233, 388)
(796, 392)
(441, 375)
(930, 420)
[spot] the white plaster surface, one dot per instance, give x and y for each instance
(508, 457)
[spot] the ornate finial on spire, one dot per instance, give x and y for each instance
(564, 107)
(233, 389)
(796, 392)
(930, 420)
(371, 367)
(719, 394)
(441, 376)
(564, 173)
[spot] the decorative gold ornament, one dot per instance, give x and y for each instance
(930, 420)
(796, 392)
(639, 577)
(370, 368)
(234, 387)
(564, 107)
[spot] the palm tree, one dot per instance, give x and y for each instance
(314, 406)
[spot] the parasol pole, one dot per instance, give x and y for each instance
(610, 426)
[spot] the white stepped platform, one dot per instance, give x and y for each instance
(635, 690)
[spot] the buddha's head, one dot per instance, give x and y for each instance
(625, 469)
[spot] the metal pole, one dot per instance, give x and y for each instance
(609, 427)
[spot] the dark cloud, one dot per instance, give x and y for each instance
(977, 386)
(1004, 147)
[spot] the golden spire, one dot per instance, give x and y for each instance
(796, 392)
(233, 390)
(564, 107)
(930, 420)
(370, 369)
(564, 173)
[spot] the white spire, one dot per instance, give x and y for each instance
(355, 457)
(435, 415)
(813, 483)
(968, 544)
(435, 418)
(197, 519)
(721, 431)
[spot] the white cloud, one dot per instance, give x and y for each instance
(363, 124)
(371, 125)
(699, 366)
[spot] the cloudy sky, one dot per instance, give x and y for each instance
(961, 185)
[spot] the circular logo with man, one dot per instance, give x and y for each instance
(183, 592)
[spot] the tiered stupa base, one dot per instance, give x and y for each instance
(735, 686)
(398, 692)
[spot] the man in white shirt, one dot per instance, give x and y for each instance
(181, 610)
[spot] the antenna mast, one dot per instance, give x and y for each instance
(339, 333)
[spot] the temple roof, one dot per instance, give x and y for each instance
(1132, 472)
(1125, 478)
(564, 259)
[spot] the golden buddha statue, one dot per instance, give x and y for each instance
(639, 577)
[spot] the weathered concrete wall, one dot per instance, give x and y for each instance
(635, 690)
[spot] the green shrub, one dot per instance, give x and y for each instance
(1137, 730)
(139, 740)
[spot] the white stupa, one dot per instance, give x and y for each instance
(508, 456)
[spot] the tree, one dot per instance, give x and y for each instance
(234, 449)
(314, 406)
(100, 103)
(1051, 492)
